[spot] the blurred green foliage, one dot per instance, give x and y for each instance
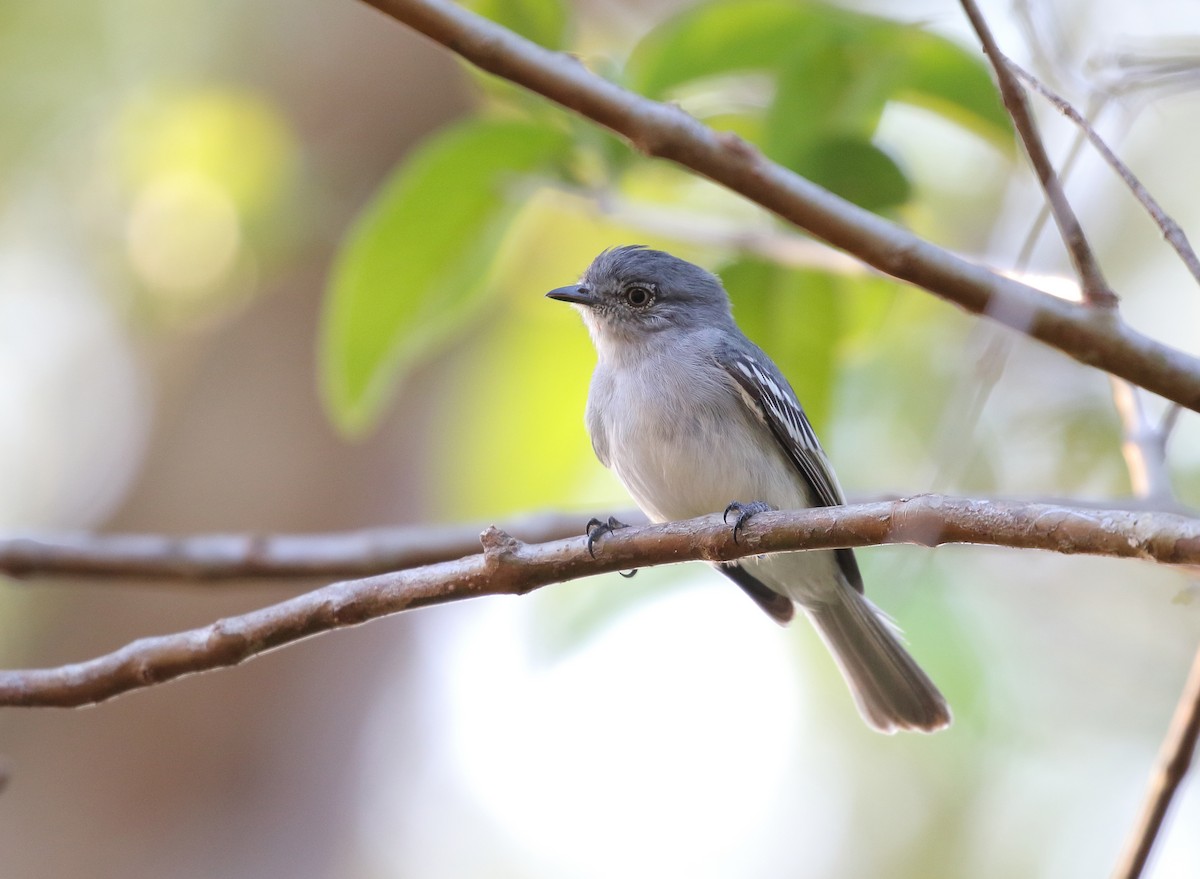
(206, 171)
(236, 139)
(415, 264)
(545, 22)
(806, 81)
(181, 182)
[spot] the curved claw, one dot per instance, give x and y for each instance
(596, 529)
(745, 512)
(593, 530)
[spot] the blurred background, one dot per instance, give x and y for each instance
(279, 267)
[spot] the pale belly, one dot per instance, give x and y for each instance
(679, 466)
(704, 469)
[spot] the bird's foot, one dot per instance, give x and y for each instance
(597, 529)
(744, 513)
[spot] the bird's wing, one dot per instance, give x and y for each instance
(767, 393)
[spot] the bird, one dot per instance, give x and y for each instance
(693, 417)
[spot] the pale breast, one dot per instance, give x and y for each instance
(684, 443)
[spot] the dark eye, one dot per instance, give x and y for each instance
(639, 296)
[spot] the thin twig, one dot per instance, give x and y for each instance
(1171, 230)
(1174, 759)
(1043, 214)
(1096, 337)
(1142, 444)
(509, 567)
(1170, 418)
(1130, 72)
(988, 348)
(1095, 288)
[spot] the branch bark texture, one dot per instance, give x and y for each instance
(207, 558)
(1097, 337)
(509, 567)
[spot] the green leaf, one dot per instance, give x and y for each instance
(543, 21)
(722, 37)
(532, 357)
(414, 266)
(833, 69)
(857, 170)
(953, 82)
(840, 78)
(829, 85)
(832, 92)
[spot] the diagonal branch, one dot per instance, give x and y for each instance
(1171, 230)
(1144, 448)
(1143, 444)
(509, 567)
(1174, 759)
(1095, 288)
(1096, 337)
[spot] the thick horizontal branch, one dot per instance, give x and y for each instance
(510, 567)
(1092, 336)
(81, 558)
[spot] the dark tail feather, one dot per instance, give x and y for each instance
(890, 689)
(778, 607)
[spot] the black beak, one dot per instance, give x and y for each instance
(574, 294)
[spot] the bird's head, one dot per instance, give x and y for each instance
(631, 294)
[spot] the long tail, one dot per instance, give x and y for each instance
(890, 689)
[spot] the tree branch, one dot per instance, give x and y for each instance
(782, 248)
(1174, 759)
(1095, 288)
(510, 567)
(1096, 337)
(1143, 445)
(208, 559)
(1171, 230)
(220, 557)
